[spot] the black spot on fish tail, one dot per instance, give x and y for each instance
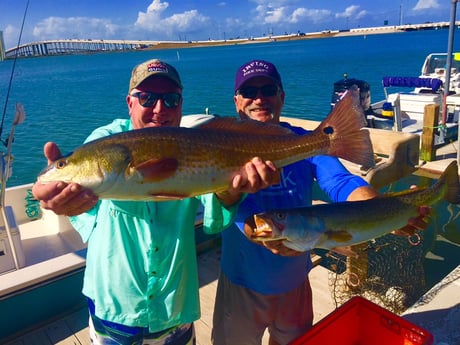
(344, 129)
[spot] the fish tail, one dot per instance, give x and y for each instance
(343, 126)
(451, 179)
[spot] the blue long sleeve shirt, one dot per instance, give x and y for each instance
(253, 266)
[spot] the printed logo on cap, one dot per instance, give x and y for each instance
(157, 67)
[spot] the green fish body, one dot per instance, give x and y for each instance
(348, 223)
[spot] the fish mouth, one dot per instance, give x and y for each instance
(265, 229)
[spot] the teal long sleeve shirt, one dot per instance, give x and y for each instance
(141, 265)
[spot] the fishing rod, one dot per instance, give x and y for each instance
(6, 158)
(5, 142)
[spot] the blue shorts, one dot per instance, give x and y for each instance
(104, 332)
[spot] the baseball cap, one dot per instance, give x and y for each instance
(257, 68)
(151, 68)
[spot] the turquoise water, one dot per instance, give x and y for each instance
(65, 97)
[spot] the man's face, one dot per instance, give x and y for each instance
(155, 113)
(261, 99)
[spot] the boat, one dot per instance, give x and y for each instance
(43, 258)
(403, 108)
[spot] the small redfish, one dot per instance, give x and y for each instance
(176, 162)
(347, 223)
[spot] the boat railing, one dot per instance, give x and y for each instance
(7, 216)
(432, 85)
(413, 82)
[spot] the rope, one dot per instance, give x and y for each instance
(435, 127)
(32, 205)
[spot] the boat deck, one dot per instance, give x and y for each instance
(440, 303)
(72, 329)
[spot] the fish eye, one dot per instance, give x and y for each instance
(61, 163)
(280, 215)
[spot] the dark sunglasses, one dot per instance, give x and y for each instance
(252, 91)
(149, 99)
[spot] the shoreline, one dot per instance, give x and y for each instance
(280, 38)
(295, 37)
(91, 46)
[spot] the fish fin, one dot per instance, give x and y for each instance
(448, 184)
(154, 170)
(346, 251)
(244, 126)
(338, 236)
(450, 177)
(344, 127)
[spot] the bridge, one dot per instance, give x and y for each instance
(75, 46)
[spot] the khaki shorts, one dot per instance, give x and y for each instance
(241, 315)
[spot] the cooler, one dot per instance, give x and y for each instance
(360, 321)
(414, 103)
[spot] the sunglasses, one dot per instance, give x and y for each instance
(252, 91)
(149, 99)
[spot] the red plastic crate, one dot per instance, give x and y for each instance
(361, 322)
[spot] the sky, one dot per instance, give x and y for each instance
(193, 20)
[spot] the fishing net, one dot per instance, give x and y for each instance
(387, 271)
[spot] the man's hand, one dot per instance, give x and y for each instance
(254, 176)
(60, 197)
(416, 223)
(276, 247)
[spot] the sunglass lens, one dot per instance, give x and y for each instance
(171, 100)
(251, 91)
(269, 90)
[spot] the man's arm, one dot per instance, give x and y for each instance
(363, 193)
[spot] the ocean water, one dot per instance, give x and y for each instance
(65, 97)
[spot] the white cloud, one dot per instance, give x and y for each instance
(351, 12)
(311, 15)
(426, 4)
(151, 18)
(153, 21)
(276, 15)
(272, 14)
(76, 27)
(10, 36)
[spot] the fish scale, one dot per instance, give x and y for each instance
(342, 224)
(165, 163)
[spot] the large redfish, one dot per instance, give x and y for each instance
(347, 223)
(177, 162)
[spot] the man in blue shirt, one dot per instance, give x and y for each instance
(258, 289)
(141, 275)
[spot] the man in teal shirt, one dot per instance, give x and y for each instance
(141, 275)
